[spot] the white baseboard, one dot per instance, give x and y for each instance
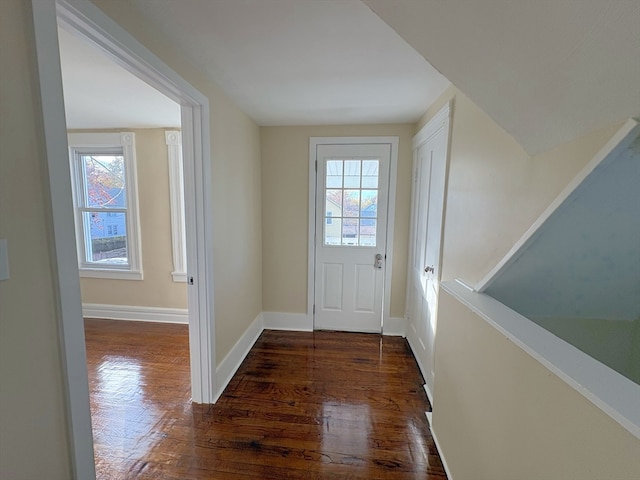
(394, 327)
(429, 394)
(440, 453)
(287, 321)
(412, 340)
(230, 364)
(429, 416)
(135, 313)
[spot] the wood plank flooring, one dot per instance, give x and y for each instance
(322, 405)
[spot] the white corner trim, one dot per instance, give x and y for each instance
(440, 120)
(440, 452)
(300, 322)
(608, 390)
(620, 141)
(173, 139)
(229, 365)
(179, 277)
(394, 326)
(429, 395)
(135, 313)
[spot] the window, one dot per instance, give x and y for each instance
(351, 202)
(106, 205)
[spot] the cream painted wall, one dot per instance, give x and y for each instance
(236, 188)
(531, 424)
(33, 432)
(285, 211)
(500, 414)
(495, 190)
(157, 289)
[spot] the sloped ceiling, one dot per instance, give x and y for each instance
(547, 71)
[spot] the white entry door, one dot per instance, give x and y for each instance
(424, 275)
(352, 194)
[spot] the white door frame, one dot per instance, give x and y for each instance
(391, 208)
(441, 121)
(90, 22)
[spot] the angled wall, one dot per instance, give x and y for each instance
(498, 413)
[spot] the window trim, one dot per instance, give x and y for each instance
(125, 140)
(173, 139)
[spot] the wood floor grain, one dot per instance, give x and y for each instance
(321, 405)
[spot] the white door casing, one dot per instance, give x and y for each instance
(430, 172)
(90, 22)
(351, 220)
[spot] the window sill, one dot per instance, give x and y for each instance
(111, 274)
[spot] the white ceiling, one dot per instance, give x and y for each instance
(547, 71)
(284, 62)
(100, 94)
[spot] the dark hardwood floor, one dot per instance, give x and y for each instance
(320, 405)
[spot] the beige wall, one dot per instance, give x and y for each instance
(500, 414)
(236, 188)
(157, 289)
(495, 190)
(285, 211)
(33, 429)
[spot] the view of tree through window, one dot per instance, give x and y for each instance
(105, 208)
(351, 202)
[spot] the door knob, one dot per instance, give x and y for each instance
(429, 269)
(378, 261)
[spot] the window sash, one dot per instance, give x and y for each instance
(122, 144)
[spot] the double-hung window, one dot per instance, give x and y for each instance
(106, 205)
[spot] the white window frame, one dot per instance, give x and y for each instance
(173, 139)
(78, 143)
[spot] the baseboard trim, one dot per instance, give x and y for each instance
(394, 327)
(135, 313)
(429, 394)
(287, 321)
(440, 453)
(412, 339)
(230, 364)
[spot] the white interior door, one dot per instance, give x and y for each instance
(424, 275)
(352, 193)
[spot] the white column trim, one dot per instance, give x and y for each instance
(173, 139)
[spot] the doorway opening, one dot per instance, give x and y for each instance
(87, 21)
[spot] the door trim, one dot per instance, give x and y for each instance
(90, 22)
(394, 141)
(441, 121)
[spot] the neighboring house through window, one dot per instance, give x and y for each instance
(103, 175)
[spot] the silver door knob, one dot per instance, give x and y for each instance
(378, 261)
(429, 269)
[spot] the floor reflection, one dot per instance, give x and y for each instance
(320, 405)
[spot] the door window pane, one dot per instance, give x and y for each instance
(351, 202)
(370, 173)
(352, 174)
(334, 174)
(368, 232)
(350, 231)
(333, 231)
